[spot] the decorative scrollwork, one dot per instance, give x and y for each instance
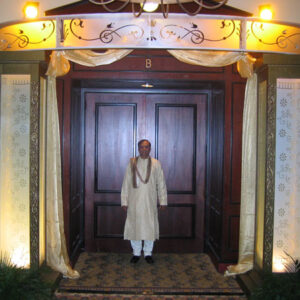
(34, 175)
(282, 41)
(23, 38)
(196, 35)
(3, 42)
(270, 177)
(107, 35)
(199, 5)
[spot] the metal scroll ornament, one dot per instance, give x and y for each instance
(284, 37)
(270, 177)
(27, 35)
(164, 5)
(196, 35)
(108, 34)
(34, 175)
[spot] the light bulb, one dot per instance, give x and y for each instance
(31, 10)
(150, 6)
(265, 12)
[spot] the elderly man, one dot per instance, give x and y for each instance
(143, 183)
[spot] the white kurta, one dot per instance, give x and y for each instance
(142, 220)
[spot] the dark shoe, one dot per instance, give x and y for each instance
(149, 259)
(134, 259)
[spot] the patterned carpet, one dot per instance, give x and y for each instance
(172, 276)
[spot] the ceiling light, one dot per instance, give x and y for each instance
(266, 12)
(31, 10)
(149, 6)
(164, 4)
(147, 85)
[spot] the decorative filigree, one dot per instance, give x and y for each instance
(3, 42)
(23, 38)
(283, 40)
(107, 35)
(196, 35)
(34, 175)
(200, 4)
(270, 177)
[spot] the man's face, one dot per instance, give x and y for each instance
(144, 149)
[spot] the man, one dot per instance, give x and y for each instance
(143, 183)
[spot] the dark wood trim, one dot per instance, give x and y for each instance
(104, 204)
(76, 155)
(232, 139)
(134, 105)
(236, 250)
(112, 204)
(193, 207)
(191, 81)
(168, 86)
(194, 106)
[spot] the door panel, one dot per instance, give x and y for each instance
(176, 126)
(110, 138)
(175, 145)
(115, 125)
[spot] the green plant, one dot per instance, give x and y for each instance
(21, 284)
(284, 286)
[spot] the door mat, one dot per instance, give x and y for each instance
(171, 274)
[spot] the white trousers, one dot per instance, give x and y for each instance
(137, 247)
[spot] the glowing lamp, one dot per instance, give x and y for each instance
(279, 264)
(20, 257)
(31, 10)
(149, 6)
(147, 85)
(266, 12)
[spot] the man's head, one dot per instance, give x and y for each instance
(144, 148)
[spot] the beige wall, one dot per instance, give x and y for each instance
(287, 10)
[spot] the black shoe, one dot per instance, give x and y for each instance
(149, 259)
(134, 259)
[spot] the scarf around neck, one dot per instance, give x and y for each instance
(135, 172)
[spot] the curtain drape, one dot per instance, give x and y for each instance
(59, 65)
(216, 59)
(248, 181)
(56, 250)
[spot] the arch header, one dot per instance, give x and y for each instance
(152, 30)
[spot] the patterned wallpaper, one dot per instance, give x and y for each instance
(14, 167)
(287, 177)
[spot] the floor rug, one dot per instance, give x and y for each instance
(88, 296)
(171, 274)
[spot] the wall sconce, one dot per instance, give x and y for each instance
(266, 12)
(31, 10)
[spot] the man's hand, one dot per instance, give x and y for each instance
(124, 208)
(162, 207)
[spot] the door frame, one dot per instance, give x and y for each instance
(81, 86)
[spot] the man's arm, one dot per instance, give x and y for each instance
(125, 188)
(161, 187)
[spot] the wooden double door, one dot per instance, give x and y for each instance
(176, 124)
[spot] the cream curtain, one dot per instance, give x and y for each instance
(56, 250)
(247, 209)
(216, 59)
(57, 256)
(59, 63)
(248, 185)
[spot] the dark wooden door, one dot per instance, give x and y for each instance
(175, 123)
